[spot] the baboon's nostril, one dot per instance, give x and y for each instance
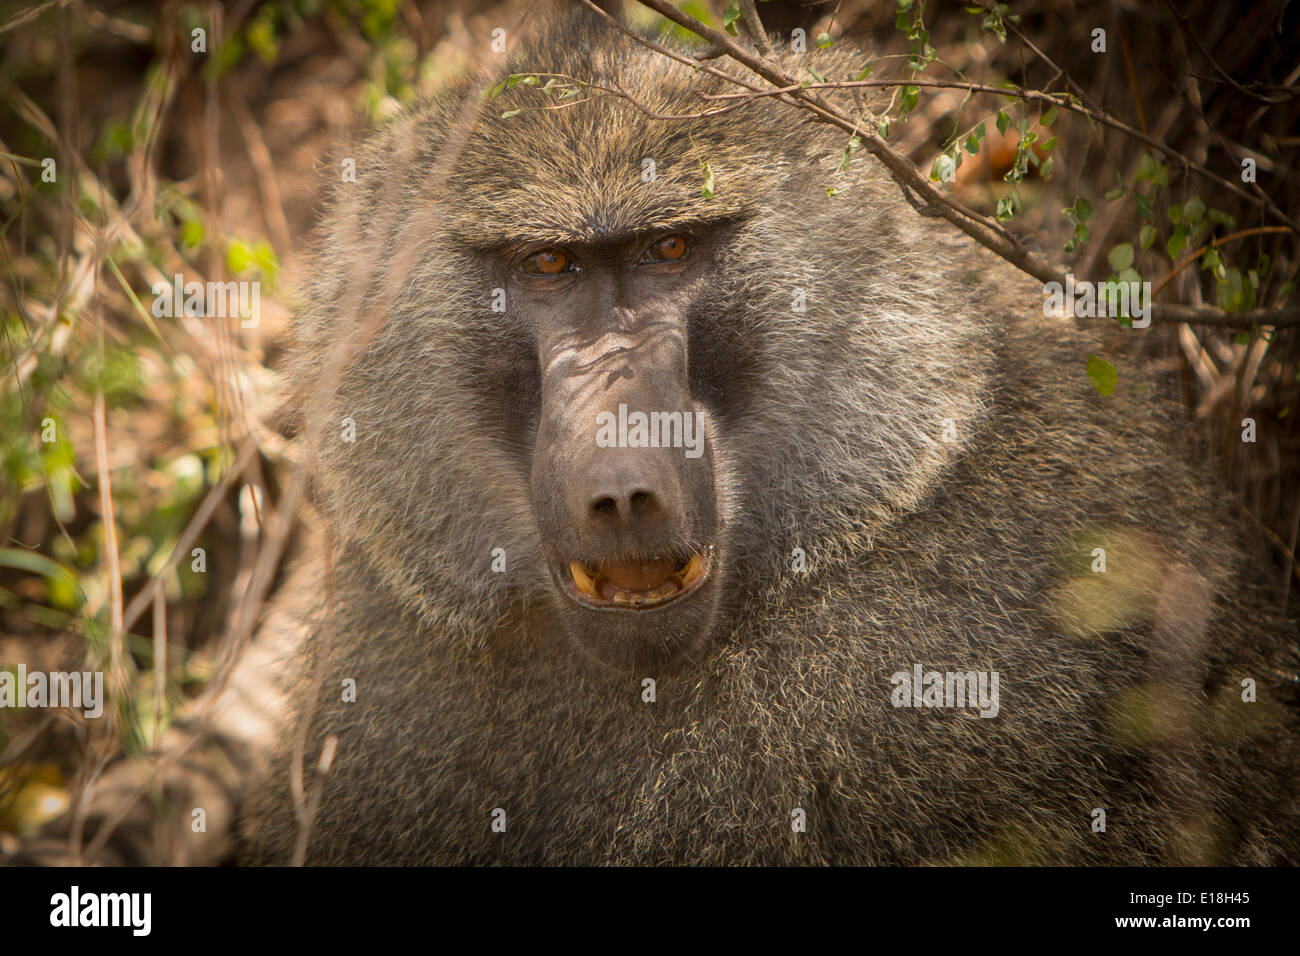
(627, 509)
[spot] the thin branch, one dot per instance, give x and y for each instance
(22, 17)
(1181, 20)
(1192, 257)
(754, 24)
(1033, 96)
(107, 516)
(984, 230)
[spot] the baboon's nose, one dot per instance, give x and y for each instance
(626, 506)
(631, 494)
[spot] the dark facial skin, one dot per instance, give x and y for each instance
(610, 322)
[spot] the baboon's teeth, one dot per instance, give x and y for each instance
(602, 590)
(689, 574)
(583, 580)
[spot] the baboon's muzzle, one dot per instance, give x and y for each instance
(623, 486)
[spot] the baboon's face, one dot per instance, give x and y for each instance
(646, 374)
(622, 468)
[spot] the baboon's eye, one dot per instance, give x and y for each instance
(667, 249)
(547, 262)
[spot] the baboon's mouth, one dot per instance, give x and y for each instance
(639, 585)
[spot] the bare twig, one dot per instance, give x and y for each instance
(1181, 20)
(984, 230)
(24, 16)
(115, 636)
(754, 24)
(159, 661)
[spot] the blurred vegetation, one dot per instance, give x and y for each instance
(103, 192)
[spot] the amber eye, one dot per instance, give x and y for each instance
(667, 249)
(547, 262)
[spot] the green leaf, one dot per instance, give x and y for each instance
(1176, 243)
(942, 163)
(1003, 121)
(1102, 375)
(1143, 205)
(239, 257)
(1146, 236)
(1223, 218)
(850, 148)
(730, 14)
(1146, 167)
(509, 113)
(909, 97)
(1194, 209)
(1008, 206)
(707, 190)
(824, 40)
(1082, 209)
(1210, 259)
(60, 583)
(1050, 116)
(1175, 213)
(1121, 256)
(265, 259)
(1234, 294)
(1116, 193)
(192, 233)
(866, 71)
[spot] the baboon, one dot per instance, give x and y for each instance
(569, 653)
